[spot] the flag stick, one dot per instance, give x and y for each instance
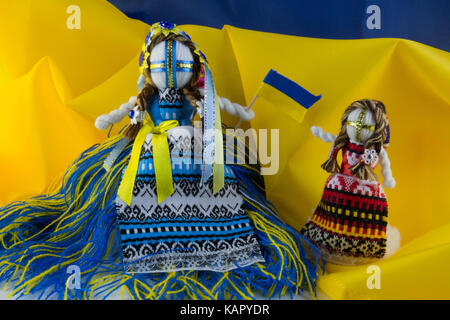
(248, 108)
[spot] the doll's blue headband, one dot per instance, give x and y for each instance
(165, 28)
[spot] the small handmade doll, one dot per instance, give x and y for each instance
(171, 217)
(155, 212)
(349, 226)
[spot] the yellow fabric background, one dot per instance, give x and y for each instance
(54, 82)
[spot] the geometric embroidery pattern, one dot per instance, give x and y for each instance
(192, 229)
(351, 218)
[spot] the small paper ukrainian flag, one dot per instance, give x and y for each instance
(286, 94)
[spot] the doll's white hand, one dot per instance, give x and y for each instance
(324, 136)
(236, 109)
(115, 116)
(232, 108)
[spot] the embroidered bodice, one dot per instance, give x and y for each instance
(351, 155)
(171, 104)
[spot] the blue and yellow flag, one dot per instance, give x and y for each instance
(286, 95)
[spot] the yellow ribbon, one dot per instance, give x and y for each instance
(161, 160)
(218, 167)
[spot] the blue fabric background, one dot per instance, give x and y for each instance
(425, 21)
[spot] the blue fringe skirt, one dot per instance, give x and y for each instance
(66, 245)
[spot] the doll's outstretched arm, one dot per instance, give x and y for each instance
(115, 116)
(236, 109)
(386, 172)
(325, 136)
(232, 108)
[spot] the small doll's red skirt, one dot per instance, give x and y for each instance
(350, 220)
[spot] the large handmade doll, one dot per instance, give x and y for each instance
(349, 226)
(155, 213)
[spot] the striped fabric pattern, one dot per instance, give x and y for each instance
(193, 229)
(351, 218)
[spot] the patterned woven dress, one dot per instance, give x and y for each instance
(351, 218)
(192, 229)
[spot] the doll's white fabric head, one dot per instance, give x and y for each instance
(360, 125)
(171, 65)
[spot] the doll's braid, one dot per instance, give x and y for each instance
(331, 165)
(144, 95)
